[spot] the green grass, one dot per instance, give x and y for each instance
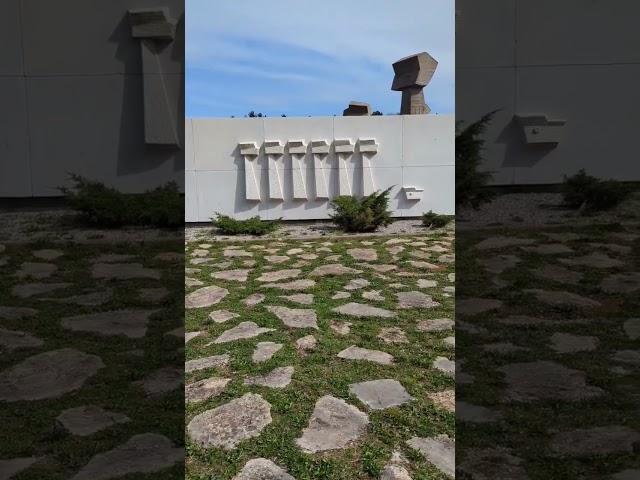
(28, 427)
(321, 372)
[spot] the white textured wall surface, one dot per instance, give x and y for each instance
(575, 60)
(71, 97)
(412, 150)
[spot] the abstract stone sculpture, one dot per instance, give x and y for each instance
(412, 74)
(357, 109)
(155, 28)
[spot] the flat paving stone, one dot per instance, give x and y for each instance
(47, 254)
(435, 325)
(11, 467)
(278, 275)
(394, 472)
(188, 336)
(242, 331)
(445, 365)
(475, 306)
(232, 423)
(295, 285)
(277, 259)
(382, 268)
(262, 469)
(357, 353)
(141, 454)
(333, 269)
(627, 282)
(545, 380)
(130, 323)
(162, 380)
(192, 282)
(380, 394)
(334, 425)
(113, 258)
(440, 451)
(608, 440)
(341, 295)
(17, 313)
(279, 377)
(424, 265)
(632, 328)
(593, 260)
(236, 275)
(407, 300)
(631, 357)
(89, 419)
(356, 284)
(254, 299)
(306, 344)
(205, 389)
(425, 283)
(90, 299)
(354, 309)
(213, 361)
(15, 340)
(221, 316)
(363, 254)
(549, 249)
(341, 328)
(123, 271)
(626, 475)
(205, 297)
(373, 295)
(27, 290)
(569, 343)
(492, 464)
(265, 350)
(236, 253)
(393, 335)
(561, 298)
(556, 273)
(467, 412)
(48, 375)
(301, 298)
(503, 348)
(36, 270)
(499, 263)
(445, 399)
(295, 317)
(497, 242)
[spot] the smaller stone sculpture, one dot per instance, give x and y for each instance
(412, 74)
(357, 109)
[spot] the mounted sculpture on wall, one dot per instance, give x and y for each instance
(155, 29)
(320, 151)
(274, 151)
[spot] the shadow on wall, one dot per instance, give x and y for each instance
(517, 152)
(134, 155)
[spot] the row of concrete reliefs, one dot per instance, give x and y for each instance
(155, 29)
(274, 151)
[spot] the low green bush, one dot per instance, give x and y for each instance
(106, 207)
(362, 215)
(591, 194)
(435, 220)
(251, 226)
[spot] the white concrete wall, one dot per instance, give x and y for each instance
(574, 59)
(71, 97)
(413, 150)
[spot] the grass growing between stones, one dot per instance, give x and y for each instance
(320, 372)
(528, 429)
(29, 427)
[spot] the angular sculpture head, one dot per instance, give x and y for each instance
(412, 74)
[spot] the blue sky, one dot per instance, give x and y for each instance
(306, 57)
